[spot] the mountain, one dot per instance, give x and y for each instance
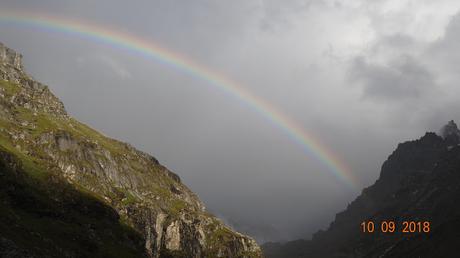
(419, 182)
(67, 190)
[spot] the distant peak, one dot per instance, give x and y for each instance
(450, 132)
(450, 129)
(452, 123)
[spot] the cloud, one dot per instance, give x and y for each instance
(399, 79)
(445, 51)
(276, 14)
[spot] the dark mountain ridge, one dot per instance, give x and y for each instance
(419, 182)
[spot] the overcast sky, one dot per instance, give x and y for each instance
(359, 75)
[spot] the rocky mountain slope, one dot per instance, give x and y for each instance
(66, 190)
(419, 182)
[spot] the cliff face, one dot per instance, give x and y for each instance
(146, 196)
(420, 181)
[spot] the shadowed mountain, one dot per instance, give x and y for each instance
(419, 182)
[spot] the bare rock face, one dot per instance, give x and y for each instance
(10, 57)
(146, 195)
(12, 69)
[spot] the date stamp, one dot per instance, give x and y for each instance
(394, 227)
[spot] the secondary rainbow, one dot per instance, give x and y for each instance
(149, 49)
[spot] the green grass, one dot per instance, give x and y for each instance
(33, 166)
(9, 88)
(129, 199)
(176, 206)
(84, 131)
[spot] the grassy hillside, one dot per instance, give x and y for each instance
(86, 193)
(46, 217)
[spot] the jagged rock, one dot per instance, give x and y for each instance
(10, 57)
(145, 195)
(451, 133)
(12, 69)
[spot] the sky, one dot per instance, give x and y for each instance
(359, 76)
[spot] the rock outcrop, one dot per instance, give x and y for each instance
(419, 182)
(451, 133)
(146, 196)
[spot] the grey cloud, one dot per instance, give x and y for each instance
(396, 80)
(444, 57)
(446, 50)
(277, 14)
(397, 43)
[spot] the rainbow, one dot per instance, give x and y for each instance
(149, 49)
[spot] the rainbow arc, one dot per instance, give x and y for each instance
(152, 50)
